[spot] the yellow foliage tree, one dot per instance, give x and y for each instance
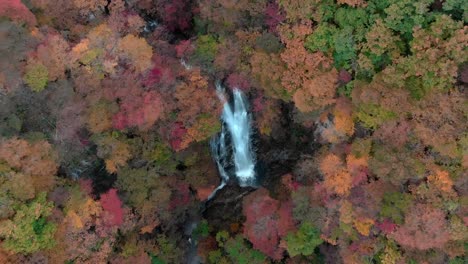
(363, 225)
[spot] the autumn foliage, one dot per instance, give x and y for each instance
(267, 222)
(359, 113)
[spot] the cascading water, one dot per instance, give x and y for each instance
(232, 147)
(231, 150)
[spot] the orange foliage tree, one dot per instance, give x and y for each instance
(308, 75)
(30, 167)
(336, 124)
(137, 51)
(336, 177)
(198, 107)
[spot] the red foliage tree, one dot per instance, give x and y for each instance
(239, 81)
(181, 196)
(111, 203)
(17, 11)
(267, 222)
(386, 226)
(184, 48)
(176, 14)
(177, 133)
(154, 76)
(163, 73)
(141, 111)
(273, 16)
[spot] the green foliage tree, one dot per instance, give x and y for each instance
(372, 115)
(205, 53)
(202, 230)
(395, 205)
(344, 54)
(322, 39)
(239, 252)
(395, 165)
(268, 43)
(29, 230)
(458, 9)
(234, 250)
(304, 241)
(403, 16)
(436, 52)
(36, 76)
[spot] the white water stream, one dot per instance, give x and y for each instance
(238, 151)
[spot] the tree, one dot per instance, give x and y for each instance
(54, 55)
(240, 253)
(137, 51)
(395, 206)
(17, 11)
(317, 92)
(36, 76)
(442, 181)
(234, 250)
(84, 235)
(143, 190)
(434, 63)
(115, 152)
(267, 221)
(29, 231)
(303, 67)
(353, 3)
(381, 47)
(88, 7)
(394, 133)
(205, 51)
(205, 126)
(340, 126)
(140, 108)
(176, 15)
(298, 11)
(372, 116)
(273, 16)
(198, 109)
(403, 16)
(395, 166)
(34, 162)
(226, 16)
(443, 134)
(425, 227)
(99, 118)
(336, 177)
(267, 114)
(304, 241)
(267, 70)
(111, 204)
(457, 9)
(14, 51)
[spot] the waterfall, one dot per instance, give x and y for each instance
(232, 147)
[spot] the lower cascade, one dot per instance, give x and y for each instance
(232, 147)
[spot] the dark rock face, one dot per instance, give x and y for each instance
(225, 208)
(278, 154)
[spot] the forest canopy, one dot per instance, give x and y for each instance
(359, 109)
